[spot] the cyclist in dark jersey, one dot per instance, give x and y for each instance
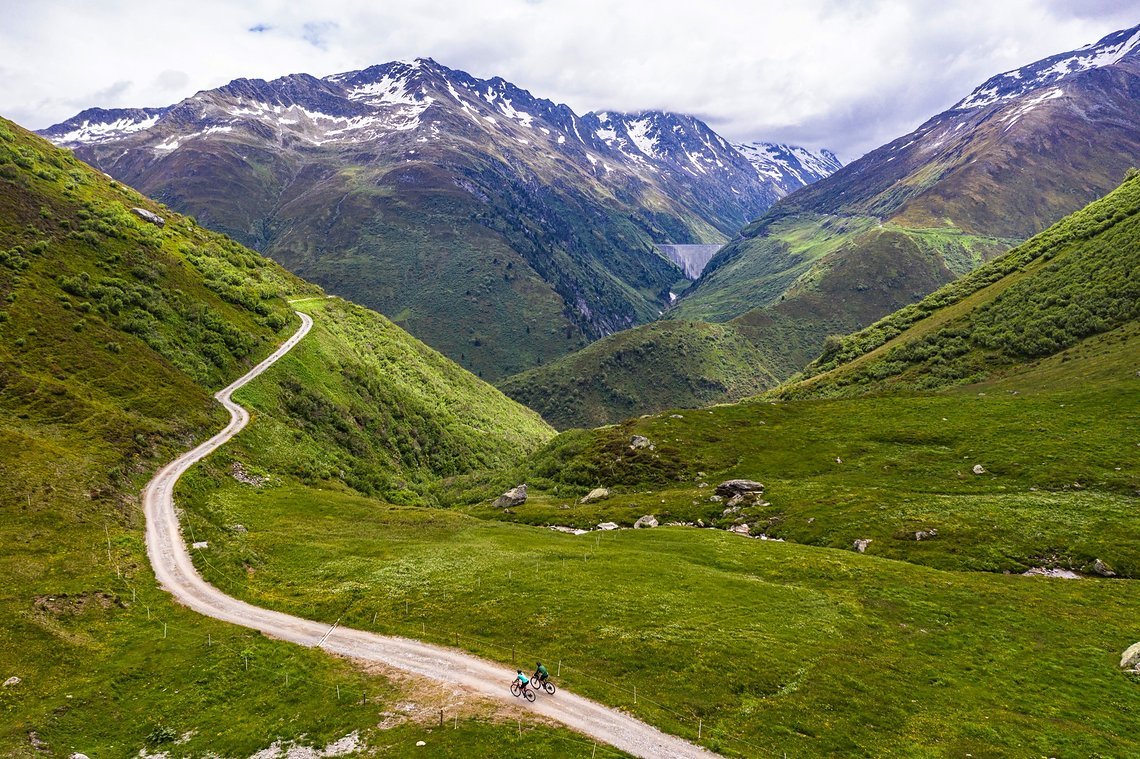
(541, 674)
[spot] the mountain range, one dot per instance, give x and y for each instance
(1012, 157)
(442, 199)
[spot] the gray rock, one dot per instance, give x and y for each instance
(608, 526)
(646, 521)
(597, 494)
(715, 499)
(926, 534)
(146, 215)
(200, 544)
(676, 416)
(516, 496)
(1061, 574)
(861, 544)
(740, 529)
(979, 469)
(639, 441)
(11, 681)
(1101, 568)
(735, 500)
(1131, 657)
(240, 529)
(729, 488)
(730, 510)
(77, 755)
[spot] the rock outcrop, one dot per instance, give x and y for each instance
(730, 488)
(146, 215)
(516, 496)
(646, 521)
(597, 494)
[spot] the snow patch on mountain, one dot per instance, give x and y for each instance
(1012, 84)
(790, 166)
(89, 132)
(638, 130)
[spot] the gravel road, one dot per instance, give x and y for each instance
(176, 574)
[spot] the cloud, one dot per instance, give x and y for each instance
(845, 74)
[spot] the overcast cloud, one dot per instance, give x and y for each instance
(844, 74)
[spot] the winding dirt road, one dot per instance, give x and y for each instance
(175, 572)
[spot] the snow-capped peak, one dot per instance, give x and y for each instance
(1053, 69)
(791, 166)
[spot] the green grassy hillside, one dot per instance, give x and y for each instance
(1079, 278)
(643, 370)
(113, 334)
(919, 212)
(830, 652)
(929, 642)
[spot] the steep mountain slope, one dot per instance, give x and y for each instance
(1078, 279)
(114, 330)
(658, 366)
(1016, 155)
(443, 200)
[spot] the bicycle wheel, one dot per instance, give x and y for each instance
(516, 689)
(549, 687)
(528, 694)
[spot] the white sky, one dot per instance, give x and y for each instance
(844, 74)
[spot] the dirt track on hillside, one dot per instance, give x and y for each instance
(175, 572)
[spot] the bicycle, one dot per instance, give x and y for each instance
(537, 682)
(518, 689)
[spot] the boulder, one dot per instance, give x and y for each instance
(146, 215)
(11, 681)
(861, 544)
(597, 494)
(607, 526)
(926, 534)
(639, 441)
(646, 521)
(516, 496)
(740, 529)
(979, 469)
(1131, 657)
(729, 488)
(1101, 568)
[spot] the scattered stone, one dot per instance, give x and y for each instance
(239, 473)
(240, 529)
(646, 521)
(146, 215)
(861, 544)
(838, 460)
(1131, 657)
(200, 544)
(730, 510)
(639, 441)
(421, 743)
(597, 494)
(568, 530)
(926, 534)
(979, 469)
(700, 523)
(608, 526)
(516, 496)
(78, 755)
(676, 416)
(700, 474)
(1101, 568)
(740, 529)
(715, 499)
(729, 488)
(12, 681)
(735, 500)
(1061, 574)
(703, 485)
(810, 519)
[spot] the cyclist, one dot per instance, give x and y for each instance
(541, 674)
(523, 679)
